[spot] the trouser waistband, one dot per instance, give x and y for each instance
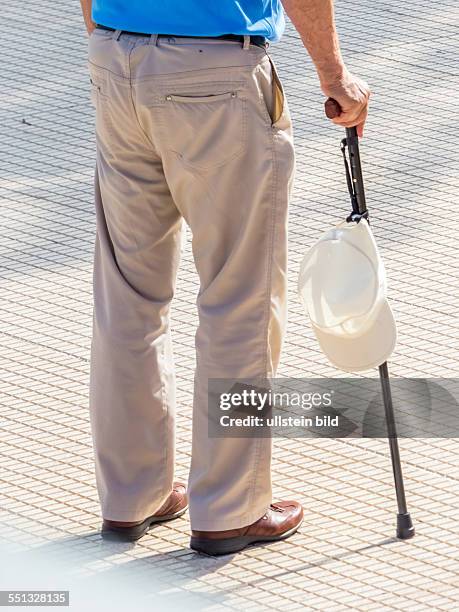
(260, 41)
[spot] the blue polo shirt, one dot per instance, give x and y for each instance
(193, 17)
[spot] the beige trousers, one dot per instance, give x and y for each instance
(194, 129)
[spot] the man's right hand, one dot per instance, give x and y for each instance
(352, 94)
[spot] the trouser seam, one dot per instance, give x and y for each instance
(131, 97)
(272, 236)
(161, 370)
(257, 450)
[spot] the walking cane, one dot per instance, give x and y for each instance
(405, 529)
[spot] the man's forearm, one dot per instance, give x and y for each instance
(315, 22)
(86, 6)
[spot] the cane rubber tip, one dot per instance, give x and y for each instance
(405, 529)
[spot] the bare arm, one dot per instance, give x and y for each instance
(86, 6)
(315, 22)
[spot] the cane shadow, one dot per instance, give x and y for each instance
(323, 561)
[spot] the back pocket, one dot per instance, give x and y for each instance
(205, 131)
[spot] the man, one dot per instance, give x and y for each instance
(192, 122)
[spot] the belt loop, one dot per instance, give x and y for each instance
(116, 34)
(153, 40)
(246, 45)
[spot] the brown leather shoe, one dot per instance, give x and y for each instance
(174, 506)
(280, 522)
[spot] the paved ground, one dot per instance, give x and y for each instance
(345, 557)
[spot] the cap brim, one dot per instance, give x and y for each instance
(369, 350)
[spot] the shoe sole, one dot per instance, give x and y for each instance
(233, 545)
(131, 534)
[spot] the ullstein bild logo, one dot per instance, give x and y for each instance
(280, 421)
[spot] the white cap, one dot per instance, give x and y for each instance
(342, 284)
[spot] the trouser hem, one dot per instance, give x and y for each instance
(224, 524)
(111, 513)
